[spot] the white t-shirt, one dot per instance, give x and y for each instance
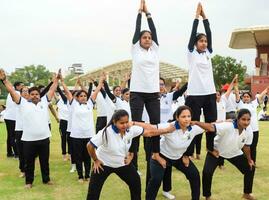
(112, 149)
(166, 102)
(124, 105)
(11, 107)
(35, 119)
(101, 105)
(252, 107)
(173, 145)
(201, 80)
(145, 69)
(179, 102)
(228, 141)
(18, 124)
(221, 111)
(231, 104)
(63, 111)
(82, 125)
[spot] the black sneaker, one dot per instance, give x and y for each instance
(10, 155)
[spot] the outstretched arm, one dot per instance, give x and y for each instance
(206, 126)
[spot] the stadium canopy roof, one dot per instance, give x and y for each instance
(120, 69)
(249, 38)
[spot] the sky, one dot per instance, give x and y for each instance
(58, 33)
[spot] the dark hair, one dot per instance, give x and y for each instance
(17, 83)
(248, 93)
(242, 112)
(199, 36)
(34, 89)
(162, 79)
(24, 87)
(143, 32)
(80, 92)
(115, 87)
(40, 87)
(115, 117)
(125, 90)
(74, 92)
(179, 110)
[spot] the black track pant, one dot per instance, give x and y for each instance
(127, 173)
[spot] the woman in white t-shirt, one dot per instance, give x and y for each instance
(109, 149)
(252, 106)
(82, 127)
(144, 84)
(232, 141)
(36, 130)
(201, 92)
(172, 148)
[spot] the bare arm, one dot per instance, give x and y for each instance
(15, 96)
(53, 112)
(230, 88)
(68, 94)
(246, 150)
(264, 92)
(98, 88)
(206, 126)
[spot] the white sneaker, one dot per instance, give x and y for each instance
(139, 173)
(168, 195)
(73, 168)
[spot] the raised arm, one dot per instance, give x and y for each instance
(110, 95)
(264, 92)
(46, 89)
(54, 86)
(230, 88)
(138, 23)
(194, 28)
(68, 94)
(207, 30)
(180, 92)
(15, 96)
(98, 88)
(64, 98)
(151, 24)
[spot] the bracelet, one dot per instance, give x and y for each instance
(95, 159)
(133, 123)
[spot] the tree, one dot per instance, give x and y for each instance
(69, 79)
(225, 68)
(36, 75)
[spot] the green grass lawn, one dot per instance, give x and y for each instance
(227, 184)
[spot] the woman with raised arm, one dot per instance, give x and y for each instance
(36, 130)
(81, 127)
(109, 149)
(232, 141)
(144, 85)
(201, 92)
